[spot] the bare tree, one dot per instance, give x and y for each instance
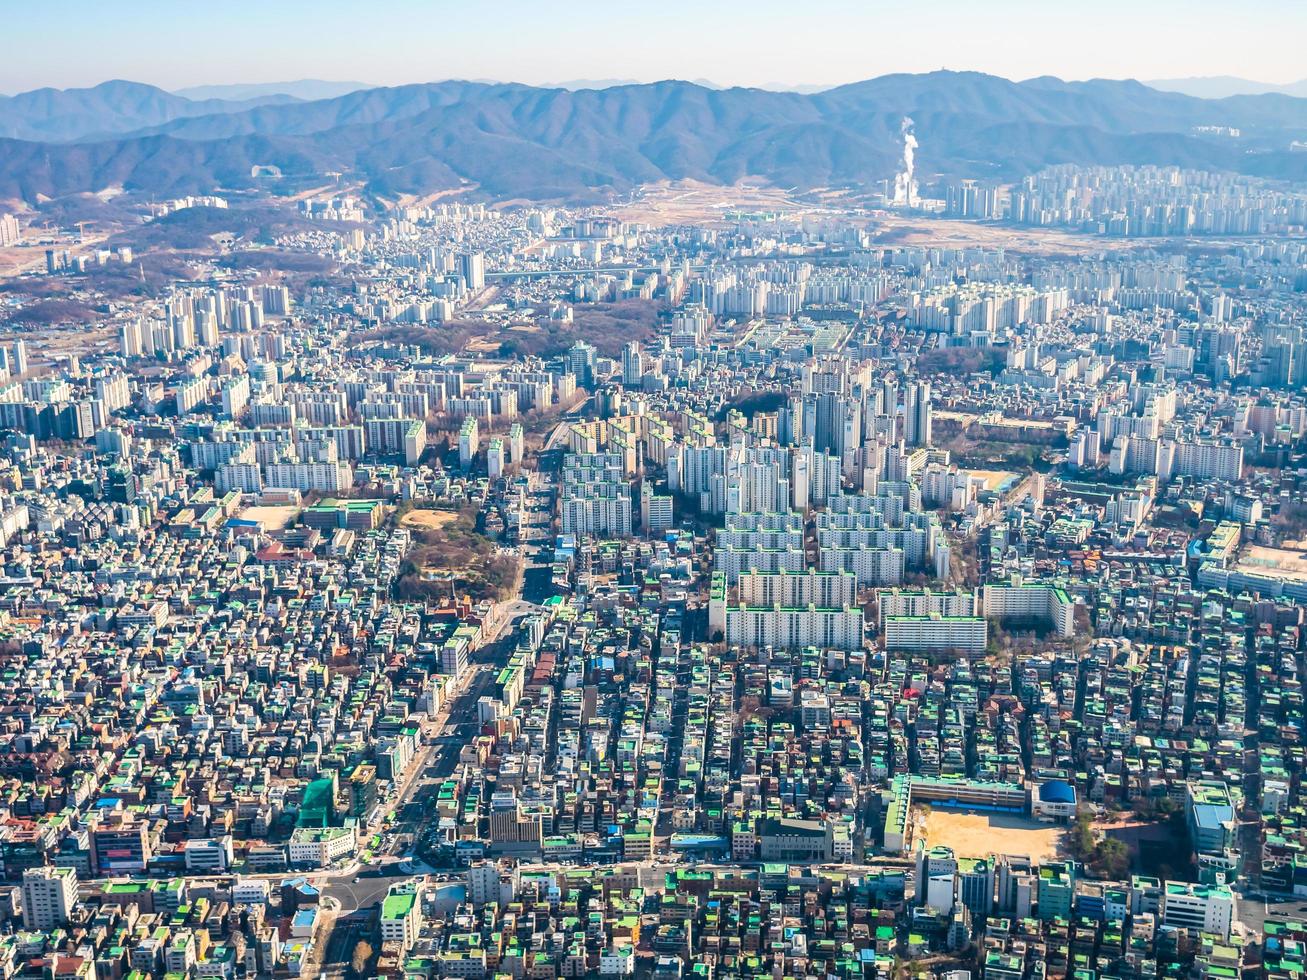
(362, 956)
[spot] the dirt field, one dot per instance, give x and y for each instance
(977, 834)
(430, 520)
(690, 201)
(945, 233)
(993, 478)
(17, 260)
(274, 517)
(1290, 564)
(49, 346)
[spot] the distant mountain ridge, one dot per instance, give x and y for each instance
(1223, 86)
(108, 109)
(305, 89)
(515, 140)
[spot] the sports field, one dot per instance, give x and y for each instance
(429, 520)
(974, 833)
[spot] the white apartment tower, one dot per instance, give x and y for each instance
(469, 441)
(917, 414)
(49, 894)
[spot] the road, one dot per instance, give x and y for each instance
(358, 890)
(454, 727)
(358, 886)
(564, 426)
(434, 730)
(537, 553)
(1253, 912)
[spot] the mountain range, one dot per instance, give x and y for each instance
(1222, 86)
(512, 140)
(108, 110)
(305, 88)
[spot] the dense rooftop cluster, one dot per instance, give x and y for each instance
(535, 592)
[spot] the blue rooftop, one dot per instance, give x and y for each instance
(1057, 791)
(305, 917)
(1210, 816)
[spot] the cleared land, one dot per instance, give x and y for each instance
(994, 479)
(973, 833)
(902, 229)
(273, 517)
(430, 520)
(692, 201)
(51, 344)
(17, 260)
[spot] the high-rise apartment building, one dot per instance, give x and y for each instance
(49, 895)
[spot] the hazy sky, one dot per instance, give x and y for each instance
(177, 43)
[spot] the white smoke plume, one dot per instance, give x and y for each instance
(905, 185)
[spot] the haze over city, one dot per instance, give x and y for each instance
(764, 43)
(734, 491)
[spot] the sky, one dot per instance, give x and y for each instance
(180, 43)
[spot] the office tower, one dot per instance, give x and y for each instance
(49, 894)
(1055, 890)
(1015, 885)
(976, 885)
(936, 869)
